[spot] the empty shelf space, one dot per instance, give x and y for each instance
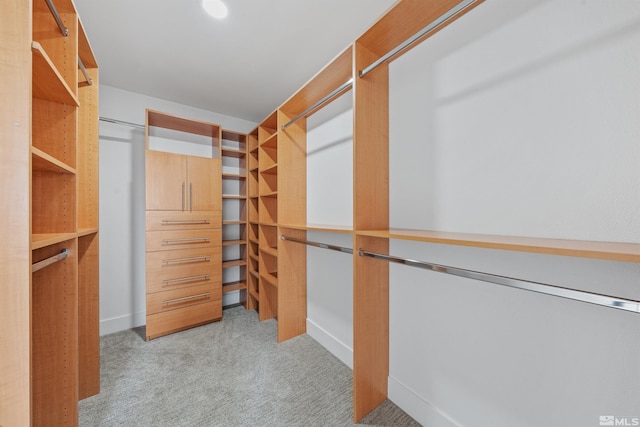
(346, 229)
(233, 242)
(234, 263)
(271, 142)
(627, 252)
(233, 286)
(48, 83)
(41, 161)
(233, 176)
(270, 251)
(270, 278)
(233, 152)
(273, 169)
(42, 240)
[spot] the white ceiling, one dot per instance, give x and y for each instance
(244, 66)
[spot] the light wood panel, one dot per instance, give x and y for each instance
(85, 52)
(88, 154)
(318, 227)
(54, 130)
(41, 240)
(166, 181)
(370, 327)
(48, 83)
(205, 189)
(88, 316)
(53, 203)
(168, 265)
(55, 338)
(183, 239)
(169, 121)
(15, 252)
(614, 251)
(178, 220)
(43, 162)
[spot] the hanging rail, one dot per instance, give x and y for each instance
(318, 245)
(64, 30)
(589, 297)
(417, 36)
(84, 71)
(121, 122)
(318, 104)
(48, 261)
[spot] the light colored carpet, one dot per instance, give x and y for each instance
(229, 373)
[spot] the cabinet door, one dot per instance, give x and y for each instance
(205, 186)
(166, 181)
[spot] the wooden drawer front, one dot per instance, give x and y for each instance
(182, 264)
(179, 298)
(187, 239)
(178, 220)
(175, 320)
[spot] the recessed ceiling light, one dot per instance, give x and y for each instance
(215, 8)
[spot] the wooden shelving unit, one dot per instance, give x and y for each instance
(235, 216)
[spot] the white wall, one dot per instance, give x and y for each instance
(122, 206)
(330, 202)
(521, 118)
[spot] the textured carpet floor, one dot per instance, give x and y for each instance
(229, 373)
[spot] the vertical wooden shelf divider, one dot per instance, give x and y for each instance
(292, 209)
(253, 251)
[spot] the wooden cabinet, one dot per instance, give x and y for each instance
(183, 232)
(177, 182)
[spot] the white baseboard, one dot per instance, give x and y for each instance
(331, 343)
(122, 323)
(419, 409)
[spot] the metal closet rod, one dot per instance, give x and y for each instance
(318, 104)
(63, 29)
(432, 26)
(48, 261)
(121, 122)
(84, 71)
(588, 297)
(318, 244)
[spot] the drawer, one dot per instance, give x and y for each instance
(183, 297)
(178, 220)
(187, 264)
(183, 239)
(183, 318)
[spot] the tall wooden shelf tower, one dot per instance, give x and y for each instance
(49, 310)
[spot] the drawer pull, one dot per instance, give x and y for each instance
(171, 301)
(185, 279)
(178, 241)
(205, 258)
(186, 221)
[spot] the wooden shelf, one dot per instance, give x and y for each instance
(271, 251)
(233, 152)
(48, 83)
(253, 169)
(43, 162)
(234, 263)
(254, 197)
(233, 197)
(626, 252)
(254, 241)
(271, 142)
(268, 224)
(271, 194)
(87, 231)
(254, 149)
(346, 229)
(233, 242)
(254, 294)
(271, 170)
(254, 257)
(42, 240)
(233, 176)
(270, 278)
(234, 222)
(255, 274)
(233, 286)
(84, 48)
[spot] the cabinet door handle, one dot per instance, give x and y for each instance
(186, 279)
(194, 240)
(186, 221)
(205, 258)
(169, 301)
(183, 196)
(190, 197)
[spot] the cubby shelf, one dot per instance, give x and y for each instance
(234, 222)
(345, 229)
(233, 176)
(270, 194)
(82, 232)
(271, 251)
(43, 162)
(47, 239)
(233, 197)
(271, 170)
(48, 83)
(234, 263)
(270, 278)
(234, 286)
(232, 152)
(233, 242)
(271, 142)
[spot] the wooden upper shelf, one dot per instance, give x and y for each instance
(180, 124)
(612, 251)
(48, 83)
